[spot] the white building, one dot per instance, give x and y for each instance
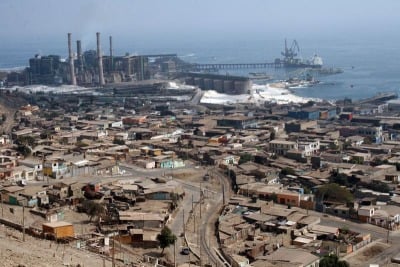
(309, 148)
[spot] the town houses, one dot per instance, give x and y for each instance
(286, 168)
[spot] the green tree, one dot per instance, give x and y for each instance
(378, 161)
(357, 160)
(119, 142)
(339, 178)
(272, 135)
(346, 145)
(93, 209)
(273, 197)
(377, 186)
(166, 238)
(80, 144)
(333, 146)
(51, 115)
(46, 134)
(24, 150)
(245, 158)
(287, 171)
(26, 140)
(334, 192)
(332, 261)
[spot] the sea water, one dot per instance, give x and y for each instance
(370, 65)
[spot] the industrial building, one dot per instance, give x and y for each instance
(44, 70)
(220, 83)
(88, 68)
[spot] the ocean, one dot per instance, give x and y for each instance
(370, 66)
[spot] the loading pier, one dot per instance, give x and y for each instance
(226, 66)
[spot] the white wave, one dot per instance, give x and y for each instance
(175, 85)
(48, 89)
(259, 95)
(12, 69)
(189, 55)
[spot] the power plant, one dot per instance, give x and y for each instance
(90, 67)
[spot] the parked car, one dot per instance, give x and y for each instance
(185, 251)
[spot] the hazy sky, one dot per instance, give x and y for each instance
(170, 20)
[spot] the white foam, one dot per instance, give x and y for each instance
(261, 94)
(13, 69)
(188, 55)
(175, 85)
(48, 89)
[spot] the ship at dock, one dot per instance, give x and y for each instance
(291, 58)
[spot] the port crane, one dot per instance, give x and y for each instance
(291, 53)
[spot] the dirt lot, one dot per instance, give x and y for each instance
(364, 255)
(196, 175)
(38, 252)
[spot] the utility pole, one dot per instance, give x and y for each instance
(248, 187)
(23, 222)
(120, 247)
(194, 222)
(388, 231)
(201, 195)
(199, 244)
(183, 218)
(175, 253)
(113, 253)
(223, 193)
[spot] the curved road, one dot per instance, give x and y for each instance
(208, 239)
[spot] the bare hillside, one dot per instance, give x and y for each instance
(9, 104)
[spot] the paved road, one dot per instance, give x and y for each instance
(208, 240)
(181, 216)
(212, 203)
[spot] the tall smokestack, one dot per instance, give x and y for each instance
(79, 52)
(111, 55)
(71, 61)
(100, 60)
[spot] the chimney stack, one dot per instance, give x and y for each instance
(79, 52)
(100, 60)
(71, 61)
(111, 55)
